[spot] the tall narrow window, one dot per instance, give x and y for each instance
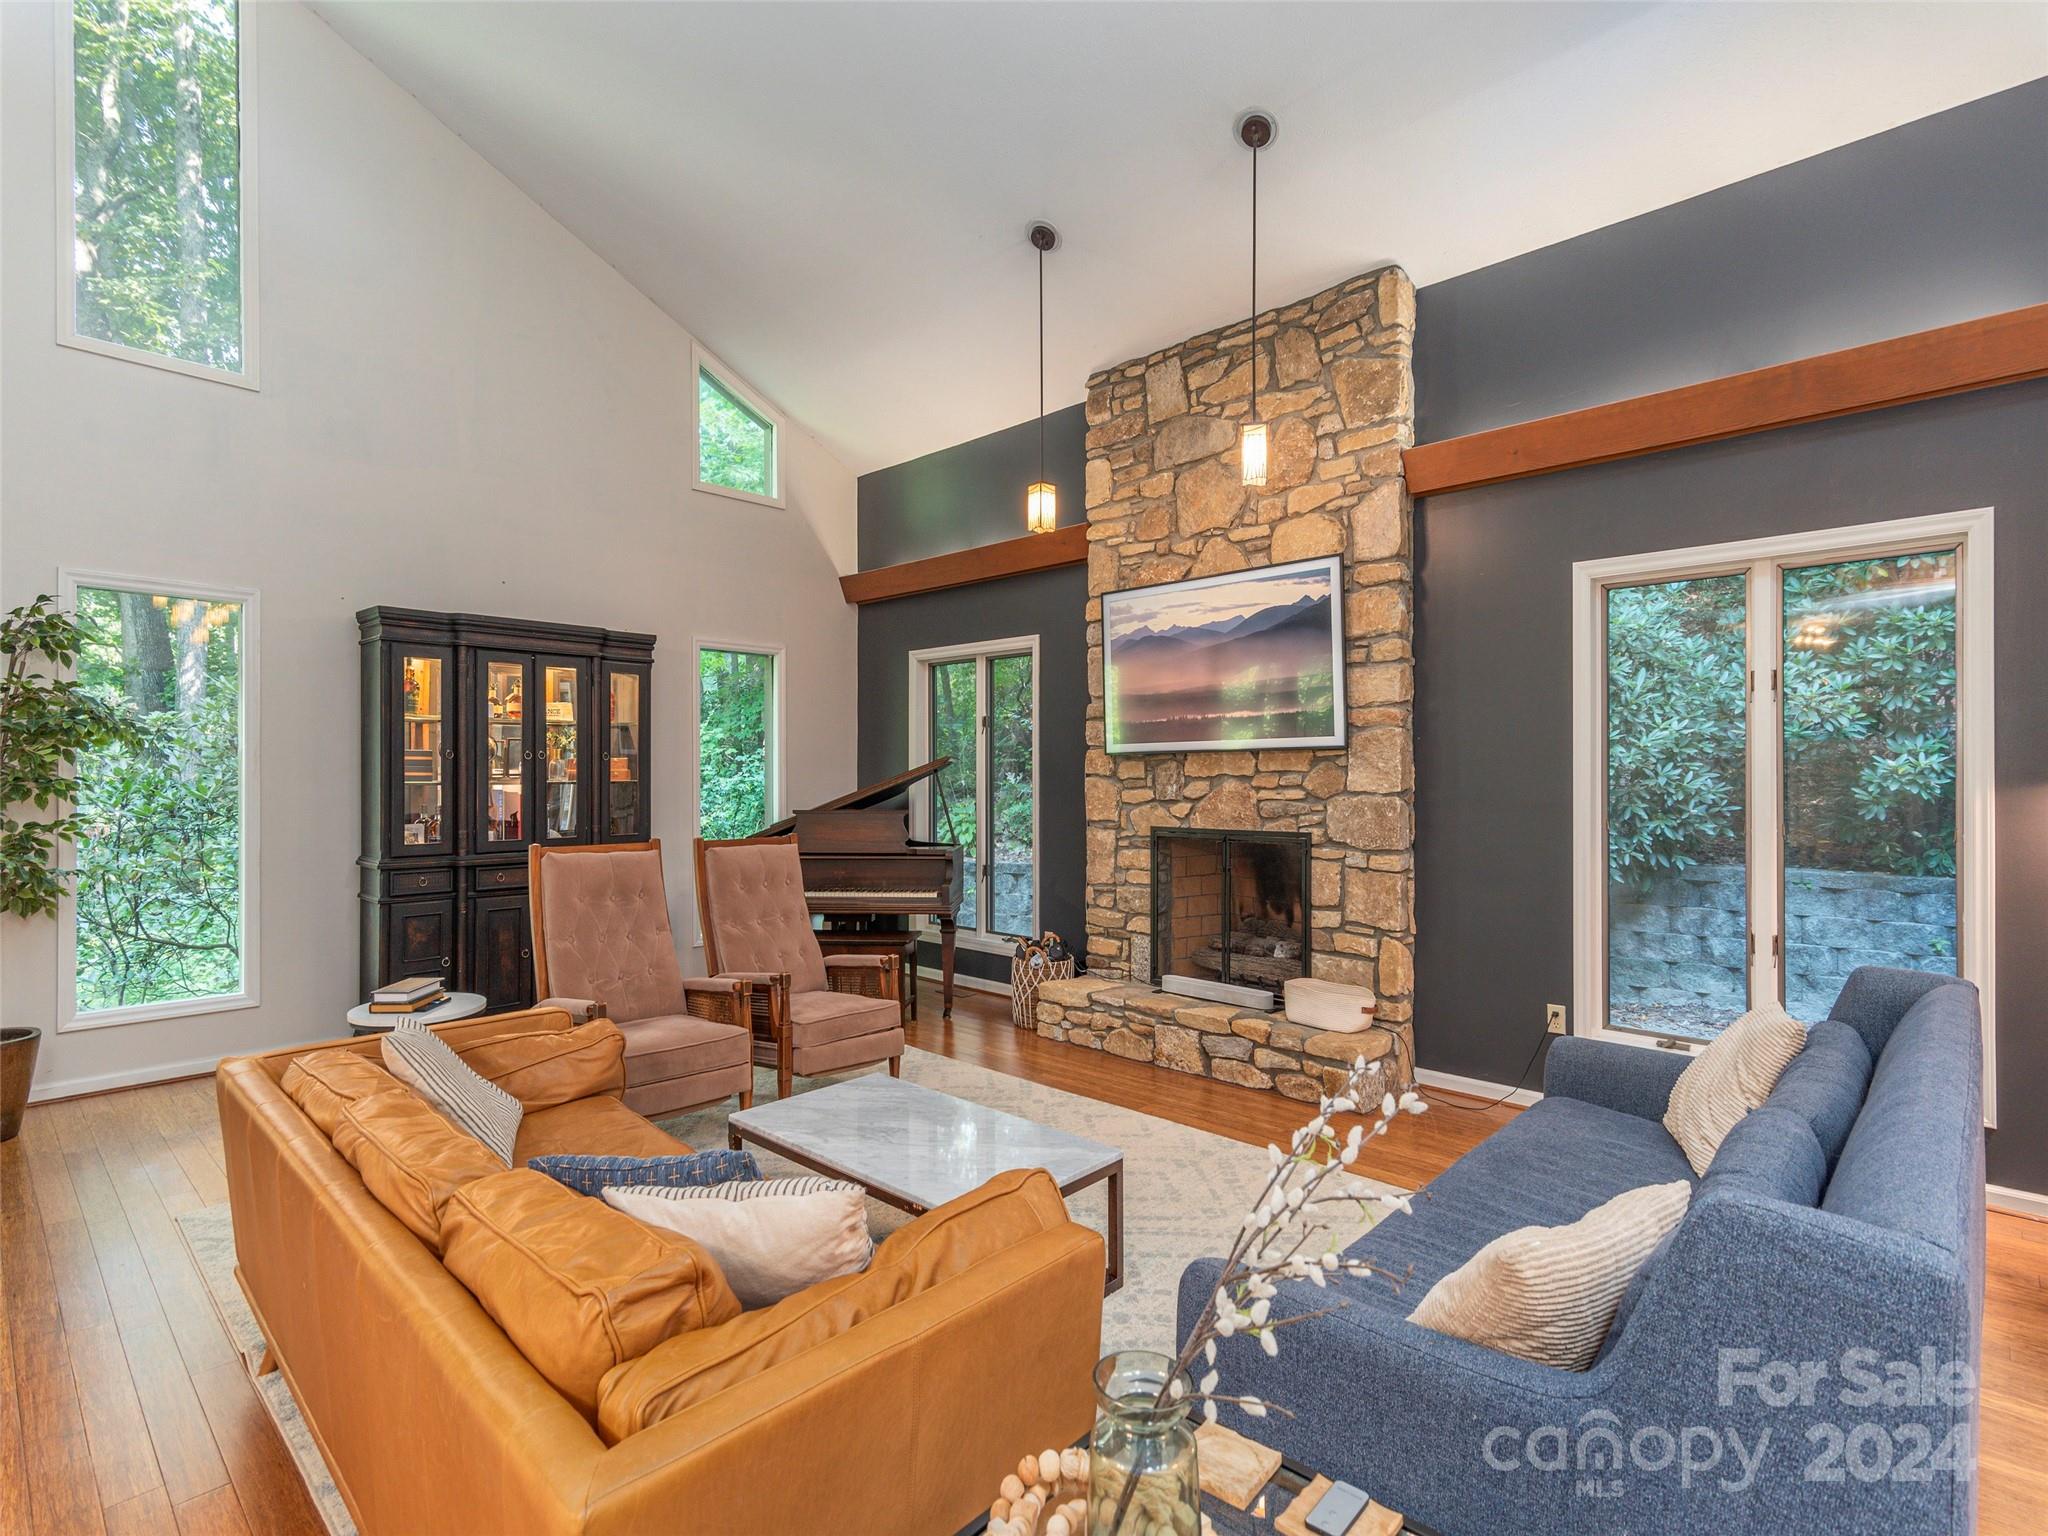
(738, 438)
(1869, 662)
(737, 711)
(158, 261)
(978, 707)
(1677, 802)
(160, 920)
(1775, 748)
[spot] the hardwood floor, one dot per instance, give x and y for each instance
(125, 1410)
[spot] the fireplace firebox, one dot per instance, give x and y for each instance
(1230, 907)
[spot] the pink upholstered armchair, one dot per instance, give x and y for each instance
(602, 947)
(812, 1013)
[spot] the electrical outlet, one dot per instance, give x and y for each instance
(1553, 1018)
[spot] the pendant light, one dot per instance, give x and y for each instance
(1041, 501)
(1255, 130)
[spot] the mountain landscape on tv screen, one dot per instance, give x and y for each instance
(1263, 675)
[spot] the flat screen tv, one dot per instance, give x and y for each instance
(1246, 659)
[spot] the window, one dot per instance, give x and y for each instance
(738, 437)
(1783, 772)
(155, 141)
(739, 709)
(161, 920)
(978, 705)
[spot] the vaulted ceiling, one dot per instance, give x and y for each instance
(834, 197)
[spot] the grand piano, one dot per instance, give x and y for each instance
(863, 871)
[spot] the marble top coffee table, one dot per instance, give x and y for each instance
(916, 1148)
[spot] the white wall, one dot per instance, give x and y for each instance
(462, 408)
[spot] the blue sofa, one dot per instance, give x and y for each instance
(1811, 1328)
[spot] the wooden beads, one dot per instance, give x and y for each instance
(1046, 1496)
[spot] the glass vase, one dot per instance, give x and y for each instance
(1137, 1441)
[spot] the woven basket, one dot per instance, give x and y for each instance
(1026, 979)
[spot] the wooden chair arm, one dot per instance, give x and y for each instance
(724, 1000)
(867, 975)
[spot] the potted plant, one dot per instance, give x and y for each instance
(49, 721)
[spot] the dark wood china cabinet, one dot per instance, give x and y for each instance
(482, 736)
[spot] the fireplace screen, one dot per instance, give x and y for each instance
(1230, 906)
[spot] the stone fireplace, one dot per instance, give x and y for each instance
(1229, 907)
(1165, 502)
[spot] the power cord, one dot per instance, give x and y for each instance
(1541, 1040)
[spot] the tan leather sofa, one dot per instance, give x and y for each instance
(887, 1402)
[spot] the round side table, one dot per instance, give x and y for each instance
(457, 1005)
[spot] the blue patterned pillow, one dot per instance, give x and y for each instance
(589, 1175)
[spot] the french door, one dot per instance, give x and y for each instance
(1782, 770)
(978, 706)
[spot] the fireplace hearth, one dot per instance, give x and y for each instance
(1230, 907)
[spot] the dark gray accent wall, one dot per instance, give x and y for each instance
(1941, 220)
(970, 494)
(955, 499)
(1937, 221)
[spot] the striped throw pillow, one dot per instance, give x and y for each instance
(424, 1061)
(1731, 1077)
(1548, 1294)
(592, 1175)
(771, 1237)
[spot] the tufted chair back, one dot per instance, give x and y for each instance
(750, 898)
(601, 930)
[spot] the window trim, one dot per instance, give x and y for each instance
(778, 758)
(920, 663)
(703, 362)
(246, 91)
(1970, 533)
(69, 1019)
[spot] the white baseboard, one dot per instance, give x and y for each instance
(135, 1077)
(1478, 1088)
(2020, 1202)
(962, 979)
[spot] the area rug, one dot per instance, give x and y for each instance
(1185, 1191)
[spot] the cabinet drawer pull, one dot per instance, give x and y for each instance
(526, 954)
(446, 962)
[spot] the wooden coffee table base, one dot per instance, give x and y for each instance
(1113, 1239)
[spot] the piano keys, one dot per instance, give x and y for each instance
(863, 868)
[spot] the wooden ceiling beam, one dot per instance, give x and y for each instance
(1975, 354)
(965, 567)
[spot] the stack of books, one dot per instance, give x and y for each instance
(409, 995)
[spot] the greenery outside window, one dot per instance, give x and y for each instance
(739, 436)
(978, 705)
(161, 919)
(739, 710)
(156, 150)
(1782, 771)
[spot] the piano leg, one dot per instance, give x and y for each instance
(946, 964)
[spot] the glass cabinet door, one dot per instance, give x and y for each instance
(624, 763)
(505, 768)
(421, 680)
(562, 783)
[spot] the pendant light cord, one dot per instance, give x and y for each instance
(1253, 339)
(1041, 364)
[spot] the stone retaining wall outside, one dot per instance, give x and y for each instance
(1684, 942)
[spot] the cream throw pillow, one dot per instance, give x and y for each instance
(1548, 1294)
(425, 1063)
(1732, 1076)
(772, 1237)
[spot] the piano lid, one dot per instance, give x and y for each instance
(866, 796)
